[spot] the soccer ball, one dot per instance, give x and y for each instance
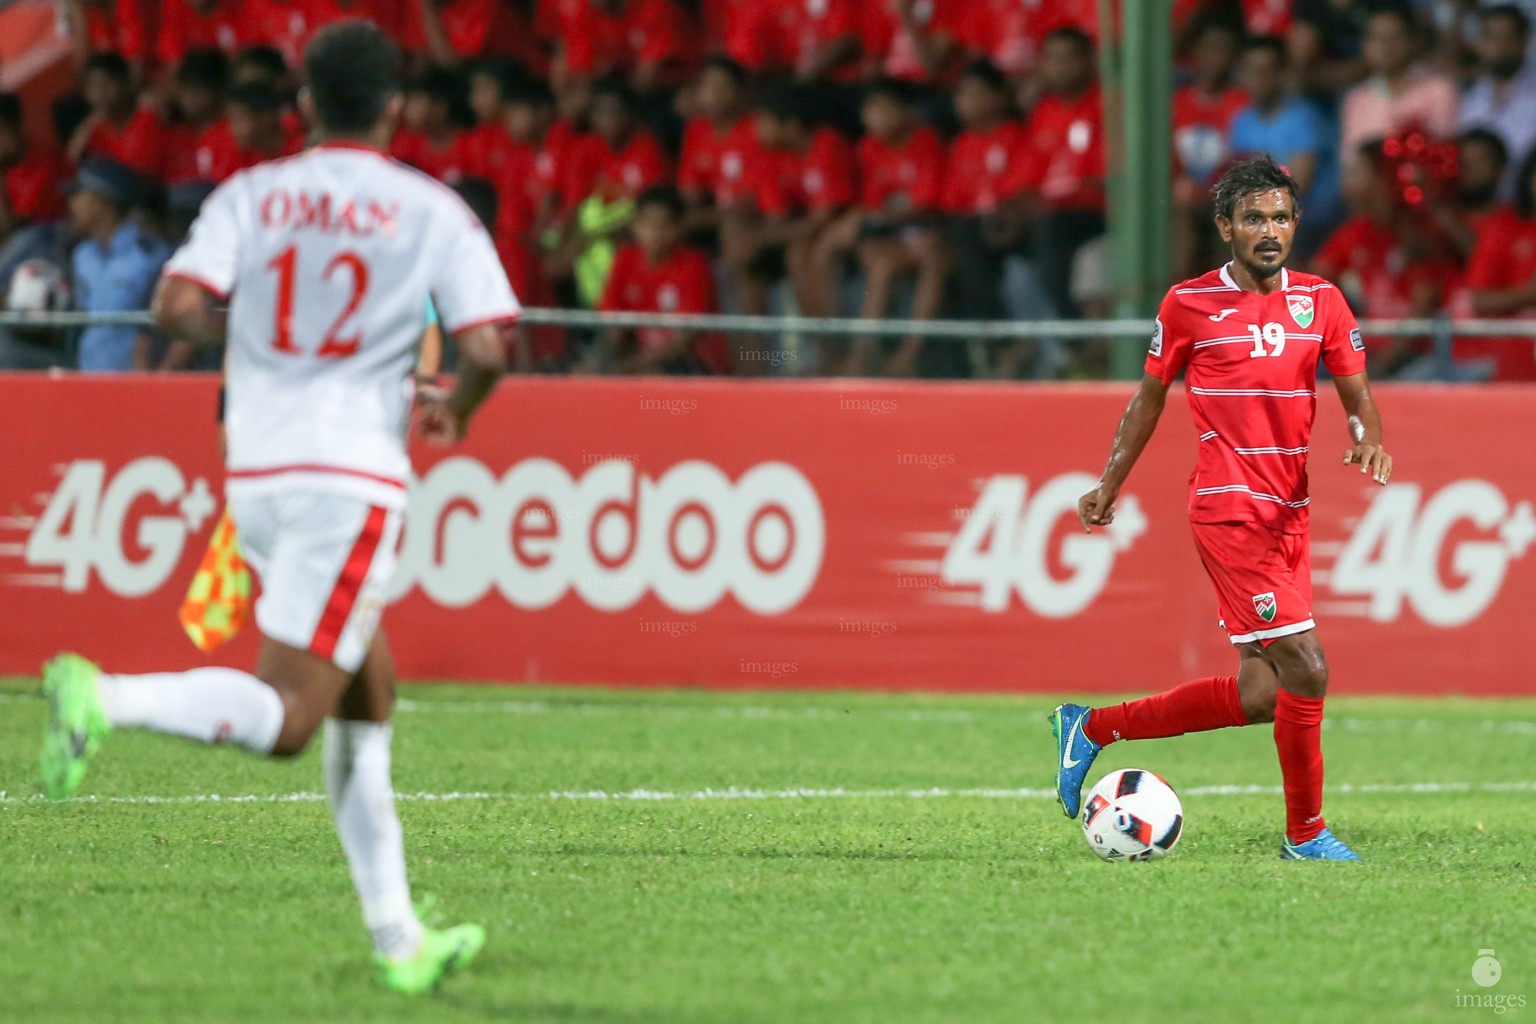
(1132, 814)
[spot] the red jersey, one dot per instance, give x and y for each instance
(682, 283)
(548, 170)
(32, 188)
(1252, 388)
(616, 174)
(120, 29)
(1369, 262)
(715, 163)
(201, 154)
(979, 163)
(1504, 258)
(821, 179)
(786, 35)
(1061, 158)
(640, 32)
(484, 150)
(183, 28)
(1200, 125)
(904, 177)
(140, 144)
(888, 40)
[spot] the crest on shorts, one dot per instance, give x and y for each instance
(1264, 604)
(1301, 309)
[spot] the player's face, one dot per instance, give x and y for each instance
(1261, 230)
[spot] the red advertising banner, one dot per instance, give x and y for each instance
(788, 534)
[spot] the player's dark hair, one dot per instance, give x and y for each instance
(110, 64)
(11, 115)
(481, 198)
(1074, 35)
(1269, 44)
(893, 89)
(663, 195)
(204, 68)
(1525, 190)
(1513, 13)
(353, 72)
(257, 97)
(264, 58)
(986, 73)
(1258, 173)
(728, 66)
(1484, 137)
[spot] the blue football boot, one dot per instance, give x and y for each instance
(1074, 755)
(1326, 846)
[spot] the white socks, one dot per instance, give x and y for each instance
(363, 804)
(210, 705)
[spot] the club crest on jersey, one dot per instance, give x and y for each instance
(1301, 309)
(1264, 604)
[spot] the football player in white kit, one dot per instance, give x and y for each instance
(326, 260)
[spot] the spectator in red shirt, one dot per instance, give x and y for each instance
(201, 25)
(257, 125)
(981, 159)
(1502, 283)
(428, 136)
(545, 145)
(1202, 116)
(892, 229)
(799, 182)
(657, 273)
(1384, 261)
(1058, 182)
(106, 26)
(910, 40)
(718, 142)
(643, 41)
(619, 159)
(116, 126)
(487, 146)
(1482, 161)
(200, 145)
(29, 181)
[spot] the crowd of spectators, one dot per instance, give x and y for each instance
(903, 158)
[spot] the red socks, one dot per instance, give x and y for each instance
(1299, 740)
(1196, 706)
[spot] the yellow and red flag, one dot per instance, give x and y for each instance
(218, 603)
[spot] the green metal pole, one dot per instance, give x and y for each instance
(1137, 69)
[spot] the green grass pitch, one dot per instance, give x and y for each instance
(692, 858)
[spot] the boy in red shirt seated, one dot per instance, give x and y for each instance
(117, 127)
(201, 145)
(257, 125)
(428, 136)
(893, 231)
(799, 182)
(718, 143)
(657, 273)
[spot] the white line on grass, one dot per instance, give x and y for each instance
(736, 793)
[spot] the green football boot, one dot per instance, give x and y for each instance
(76, 724)
(442, 952)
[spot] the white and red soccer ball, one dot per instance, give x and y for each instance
(1132, 814)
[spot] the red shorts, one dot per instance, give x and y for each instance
(1263, 579)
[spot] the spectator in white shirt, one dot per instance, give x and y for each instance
(1503, 99)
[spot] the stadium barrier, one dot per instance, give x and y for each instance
(792, 534)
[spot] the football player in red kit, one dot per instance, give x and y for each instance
(1248, 337)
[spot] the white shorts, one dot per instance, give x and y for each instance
(324, 559)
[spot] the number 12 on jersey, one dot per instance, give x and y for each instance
(286, 265)
(1272, 334)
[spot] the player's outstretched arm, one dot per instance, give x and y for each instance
(185, 310)
(482, 360)
(1364, 428)
(1097, 507)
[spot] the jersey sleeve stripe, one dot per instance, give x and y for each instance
(504, 318)
(203, 283)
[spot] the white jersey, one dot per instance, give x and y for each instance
(328, 259)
